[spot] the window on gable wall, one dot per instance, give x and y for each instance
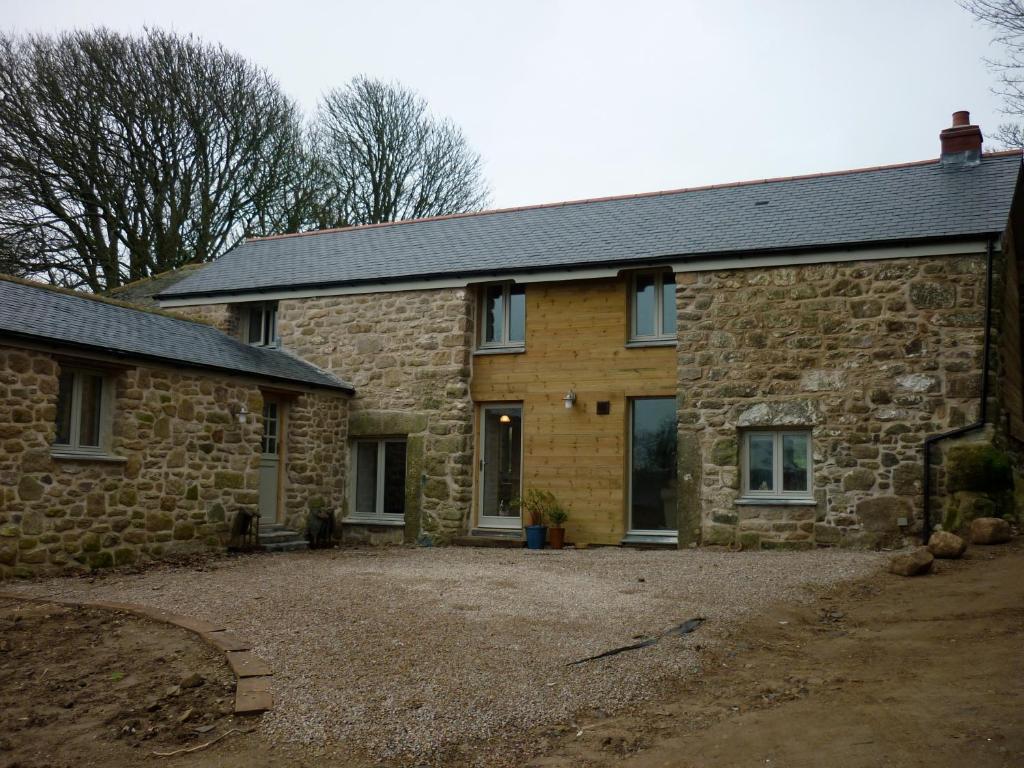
(776, 464)
(652, 307)
(261, 323)
(81, 411)
(503, 315)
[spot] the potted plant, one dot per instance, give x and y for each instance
(536, 505)
(556, 533)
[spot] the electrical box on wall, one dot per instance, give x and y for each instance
(604, 407)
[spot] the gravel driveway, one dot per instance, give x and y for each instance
(404, 652)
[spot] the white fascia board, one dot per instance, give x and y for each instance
(713, 264)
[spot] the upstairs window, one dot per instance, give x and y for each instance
(81, 412)
(260, 324)
(652, 307)
(777, 464)
(503, 316)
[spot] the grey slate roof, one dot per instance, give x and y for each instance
(44, 315)
(898, 204)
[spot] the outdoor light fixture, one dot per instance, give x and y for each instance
(505, 419)
(243, 415)
(569, 399)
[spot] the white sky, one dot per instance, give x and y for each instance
(581, 99)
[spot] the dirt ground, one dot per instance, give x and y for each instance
(881, 671)
(90, 687)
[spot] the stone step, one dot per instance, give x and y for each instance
(280, 535)
(496, 542)
(285, 546)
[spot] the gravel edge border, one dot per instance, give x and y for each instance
(252, 674)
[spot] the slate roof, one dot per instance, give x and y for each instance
(895, 204)
(45, 315)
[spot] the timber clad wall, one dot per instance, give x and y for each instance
(575, 339)
(873, 356)
(186, 465)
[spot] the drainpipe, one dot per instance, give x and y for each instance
(983, 409)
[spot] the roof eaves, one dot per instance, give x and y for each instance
(332, 381)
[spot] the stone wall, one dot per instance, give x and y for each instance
(180, 465)
(316, 432)
(223, 317)
(872, 356)
(408, 356)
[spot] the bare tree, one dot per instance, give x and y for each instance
(124, 156)
(1006, 18)
(387, 158)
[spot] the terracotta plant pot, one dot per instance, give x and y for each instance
(556, 537)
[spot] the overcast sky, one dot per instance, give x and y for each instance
(582, 99)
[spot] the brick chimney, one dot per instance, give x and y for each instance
(961, 144)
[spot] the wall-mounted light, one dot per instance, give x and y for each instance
(569, 399)
(243, 415)
(505, 419)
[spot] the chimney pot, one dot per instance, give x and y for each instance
(961, 143)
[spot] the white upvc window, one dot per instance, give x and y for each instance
(378, 487)
(260, 323)
(777, 464)
(502, 316)
(652, 307)
(83, 411)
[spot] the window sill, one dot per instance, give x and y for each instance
(373, 521)
(640, 344)
(500, 350)
(69, 455)
(768, 501)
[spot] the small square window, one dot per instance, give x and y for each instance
(777, 464)
(652, 307)
(81, 410)
(503, 315)
(261, 324)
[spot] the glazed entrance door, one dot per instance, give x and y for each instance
(501, 457)
(270, 462)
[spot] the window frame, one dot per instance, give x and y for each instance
(776, 493)
(103, 427)
(504, 343)
(268, 323)
(379, 517)
(659, 337)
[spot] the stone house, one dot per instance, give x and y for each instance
(126, 434)
(762, 364)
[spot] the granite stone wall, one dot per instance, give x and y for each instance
(408, 356)
(871, 356)
(178, 467)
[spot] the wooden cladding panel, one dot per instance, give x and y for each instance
(576, 339)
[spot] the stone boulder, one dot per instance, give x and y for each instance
(914, 563)
(990, 530)
(944, 544)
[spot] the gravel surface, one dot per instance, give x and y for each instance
(404, 653)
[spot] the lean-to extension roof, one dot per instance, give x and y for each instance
(891, 205)
(44, 315)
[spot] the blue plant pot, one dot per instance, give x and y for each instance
(535, 536)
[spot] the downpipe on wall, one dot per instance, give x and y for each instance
(983, 405)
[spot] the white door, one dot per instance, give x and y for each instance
(270, 462)
(501, 458)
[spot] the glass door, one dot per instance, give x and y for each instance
(501, 457)
(652, 471)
